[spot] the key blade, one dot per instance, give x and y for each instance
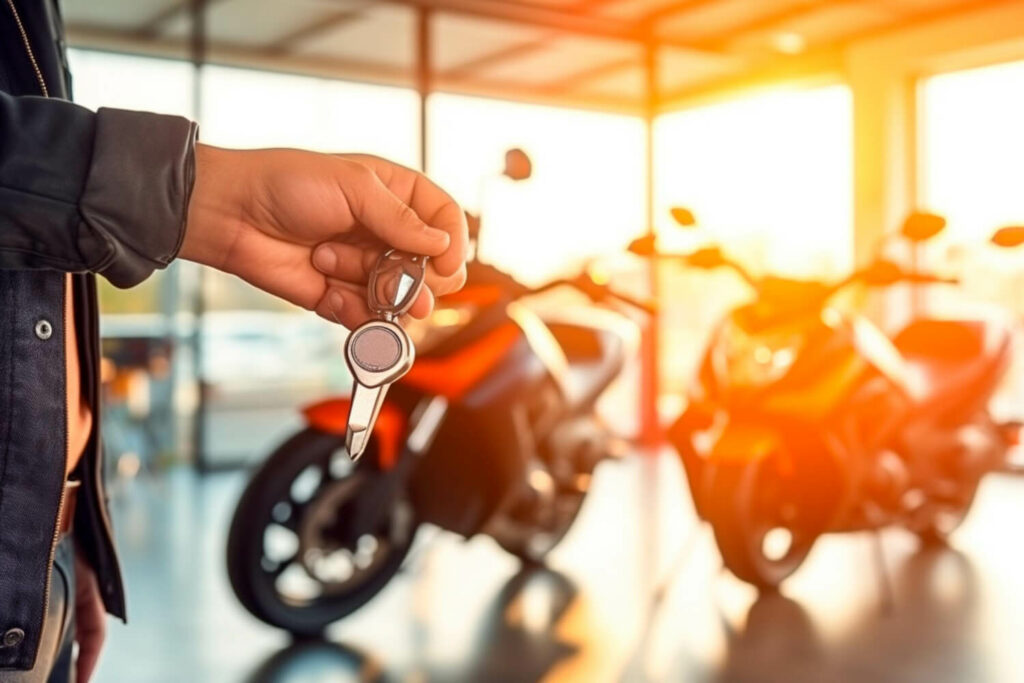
(356, 442)
(362, 415)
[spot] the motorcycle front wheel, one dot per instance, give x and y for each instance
(756, 524)
(293, 557)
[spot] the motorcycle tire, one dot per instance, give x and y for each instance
(944, 518)
(254, 578)
(740, 518)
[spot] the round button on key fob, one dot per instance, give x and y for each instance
(379, 352)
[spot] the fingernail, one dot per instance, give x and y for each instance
(336, 302)
(325, 259)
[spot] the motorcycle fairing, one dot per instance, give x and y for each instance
(453, 375)
(744, 441)
(331, 417)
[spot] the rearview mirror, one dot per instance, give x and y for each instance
(644, 246)
(707, 257)
(920, 226)
(882, 273)
(517, 164)
(683, 216)
(1010, 236)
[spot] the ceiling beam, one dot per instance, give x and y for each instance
(572, 21)
(573, 82)
(673, 10)
(105, 39)
(822, 63)
(153, 25)
(821, 66)
(499, 55)
(315, 28)
(529, 14)
(720, 41)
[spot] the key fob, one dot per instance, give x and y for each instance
(379, 352)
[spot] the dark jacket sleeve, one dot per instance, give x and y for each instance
(105, 192)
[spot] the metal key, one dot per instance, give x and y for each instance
(379, 352)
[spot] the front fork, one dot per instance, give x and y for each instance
(392, 480)
(694, 419)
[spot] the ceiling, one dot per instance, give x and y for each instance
(582, 52)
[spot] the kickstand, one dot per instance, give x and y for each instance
(888, 601)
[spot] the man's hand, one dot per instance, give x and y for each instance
(90, 618)
(308, 227)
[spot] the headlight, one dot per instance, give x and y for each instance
(755, 360)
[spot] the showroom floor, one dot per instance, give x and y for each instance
(635, 593)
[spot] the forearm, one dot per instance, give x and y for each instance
(80, 191)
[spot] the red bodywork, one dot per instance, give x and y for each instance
(451, 376)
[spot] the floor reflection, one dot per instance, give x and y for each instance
(923, 635)
(318, 660)
(519, 639)
(466, 611)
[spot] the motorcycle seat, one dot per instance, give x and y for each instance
(595, 353)
(949, 362)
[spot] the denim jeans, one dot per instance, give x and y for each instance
(55, 663)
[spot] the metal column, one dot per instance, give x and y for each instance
(650, 428)
(424, 74)
(195, 274)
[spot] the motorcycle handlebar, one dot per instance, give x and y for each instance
(928, 279)
(598, 293)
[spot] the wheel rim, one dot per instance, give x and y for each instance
(306, 553)
(777, 539)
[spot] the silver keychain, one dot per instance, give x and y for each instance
(379, 352)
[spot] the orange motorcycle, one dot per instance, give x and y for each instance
(492, 431)
(804, 419)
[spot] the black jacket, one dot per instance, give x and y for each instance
(85, 193)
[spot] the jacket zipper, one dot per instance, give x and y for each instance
(28, 49)
(64, 299)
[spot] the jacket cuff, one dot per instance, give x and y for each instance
(135, 201)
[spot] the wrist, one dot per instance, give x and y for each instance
(211, 225)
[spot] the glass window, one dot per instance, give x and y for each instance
(102, 79)
(244, 109)
(584, 198)
(971, 171)
(973, 149)
(769, 179)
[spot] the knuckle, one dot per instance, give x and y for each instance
(362, 176)
(407, 217)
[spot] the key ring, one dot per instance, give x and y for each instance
(395, 282)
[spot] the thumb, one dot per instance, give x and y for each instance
(393, 221)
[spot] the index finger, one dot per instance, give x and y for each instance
(433, 205)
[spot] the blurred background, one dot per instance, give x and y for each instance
(799, 133)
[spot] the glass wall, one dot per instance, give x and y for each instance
(972, 172)
(584, 199)
(769, 179)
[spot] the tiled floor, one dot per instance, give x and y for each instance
(635, 593)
